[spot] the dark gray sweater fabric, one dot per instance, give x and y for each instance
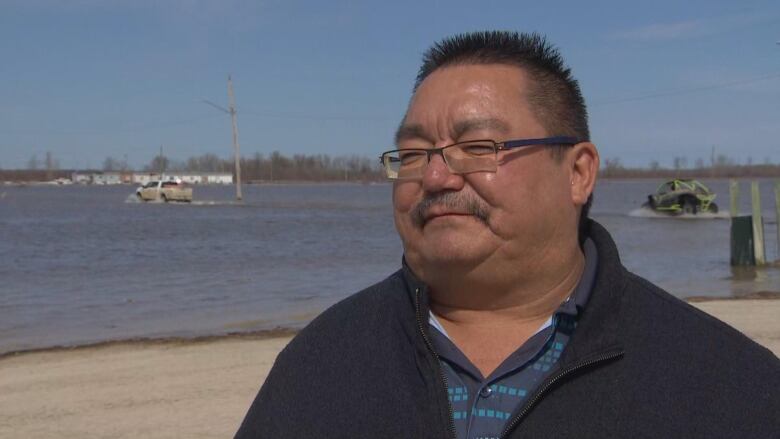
(641, 364)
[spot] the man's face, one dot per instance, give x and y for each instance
(451, 221)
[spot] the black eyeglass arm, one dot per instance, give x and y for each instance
(557, 140)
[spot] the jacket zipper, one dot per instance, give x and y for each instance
(587, 363)
(442, 377)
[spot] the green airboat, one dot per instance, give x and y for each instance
(682, 196)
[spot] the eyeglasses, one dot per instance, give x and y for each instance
(461, 157)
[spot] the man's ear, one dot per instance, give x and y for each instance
(584, 168)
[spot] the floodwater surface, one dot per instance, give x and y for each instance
(84, 264)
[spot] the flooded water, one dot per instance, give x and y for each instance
(85, 264)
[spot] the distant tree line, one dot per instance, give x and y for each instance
(720, 166)
(38, 169)
(278, 167)
(257, 168)
(23, 175)
(49, 163)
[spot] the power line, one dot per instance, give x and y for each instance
(682, 91)
(126, 129)
(342, 117)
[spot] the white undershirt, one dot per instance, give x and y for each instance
(434, 322)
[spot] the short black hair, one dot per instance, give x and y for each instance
(554, 95)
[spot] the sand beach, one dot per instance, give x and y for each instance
(193, 388)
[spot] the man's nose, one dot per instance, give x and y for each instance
(437, 175)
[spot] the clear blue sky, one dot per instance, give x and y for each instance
(87, 79)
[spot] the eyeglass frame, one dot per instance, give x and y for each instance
(506, 145)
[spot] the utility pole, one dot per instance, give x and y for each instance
(231, 110)
(162, 164)
(49, 166)
(232, 100)
(162, 171)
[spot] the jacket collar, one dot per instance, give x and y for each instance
(598, 325)
(597, 329)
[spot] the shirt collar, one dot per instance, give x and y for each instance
(579, 297)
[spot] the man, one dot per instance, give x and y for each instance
(512, 315)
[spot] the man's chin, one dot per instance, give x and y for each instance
(452, 253)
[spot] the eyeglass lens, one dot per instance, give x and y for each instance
(461, 158)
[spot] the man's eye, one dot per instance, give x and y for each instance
(411, 157)
(477, 149)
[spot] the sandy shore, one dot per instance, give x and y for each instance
(191, 389)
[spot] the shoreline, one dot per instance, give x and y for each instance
(201, 387)
(262, 334)
(758, 295)
(280, 332)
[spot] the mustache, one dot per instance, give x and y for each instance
(452, 201)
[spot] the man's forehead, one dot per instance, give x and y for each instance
(460, 98)
(414, 130)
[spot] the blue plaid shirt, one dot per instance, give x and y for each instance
(482, 406)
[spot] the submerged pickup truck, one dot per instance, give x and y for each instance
(164, 191)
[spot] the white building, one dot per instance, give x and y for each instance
(97, 178)
(79, 178)
(186, 177)
(218, 178)
(190, 178)
(106, 178)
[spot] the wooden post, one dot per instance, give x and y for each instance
(734, 191)
(742, 253)
(777, 217)
(758, 225)
(742, 249)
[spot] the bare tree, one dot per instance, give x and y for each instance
(722, 161)
(319, 167)
(111, 164)
(32, 163)
(680, 163)
(158, 164)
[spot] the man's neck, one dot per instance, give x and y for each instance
(520, 290)
(473, 318)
